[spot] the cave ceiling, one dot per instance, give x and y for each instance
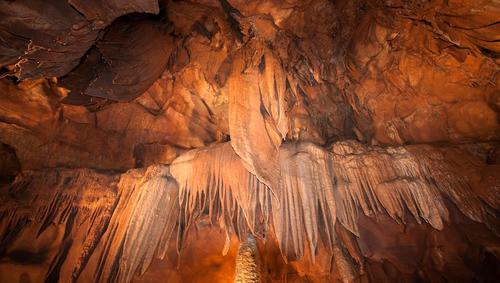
(356, 140)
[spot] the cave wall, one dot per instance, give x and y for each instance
(383, 73)
(98, 99)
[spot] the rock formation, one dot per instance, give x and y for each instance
(350, 141)
(247, 262)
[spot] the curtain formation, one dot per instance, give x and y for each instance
(319, 189)
(255, 87)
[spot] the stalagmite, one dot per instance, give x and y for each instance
(247, 262)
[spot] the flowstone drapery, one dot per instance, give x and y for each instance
(353, 140)
(319, 190)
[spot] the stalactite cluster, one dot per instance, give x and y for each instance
(145, 207)
(102, 227)
(349, 140)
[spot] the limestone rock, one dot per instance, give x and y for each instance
(355, 140)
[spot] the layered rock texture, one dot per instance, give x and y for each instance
(249, 141)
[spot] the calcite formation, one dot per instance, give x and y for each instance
(247, 262)
(109, 226)
(249, 141)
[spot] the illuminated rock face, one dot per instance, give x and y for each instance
(357, 141)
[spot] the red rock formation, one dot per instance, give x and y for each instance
(357, 141)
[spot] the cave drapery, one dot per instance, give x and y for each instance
(328, 140)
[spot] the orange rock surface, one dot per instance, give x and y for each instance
(143, 141)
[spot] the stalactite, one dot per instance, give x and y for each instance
(405, 183)
(318, 187)
(110, 234)
(111, 230)
(145, 220)
(456, 188)
(256, 110)
(251, 107)
(379, 181)
(307, 200)
(398, 178)
(215, 179)
(76, 201)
